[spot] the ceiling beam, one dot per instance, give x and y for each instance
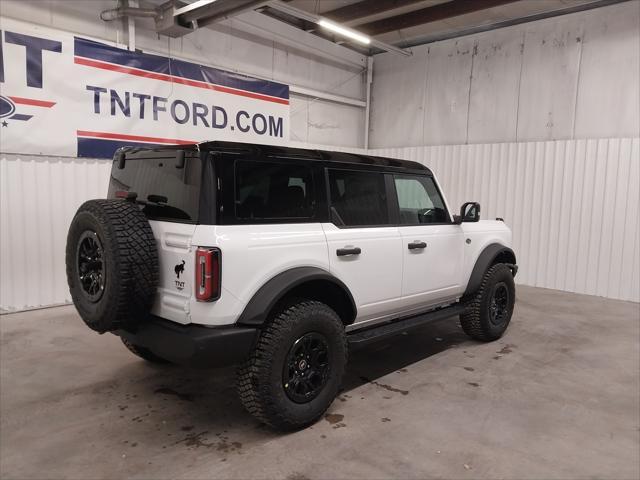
(366, 8)
(438, 37)
(311, 17)
(441, 11)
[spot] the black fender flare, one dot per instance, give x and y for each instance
(257, 309)
(486, 258)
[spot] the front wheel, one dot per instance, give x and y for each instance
(489, 310)
(296, 369)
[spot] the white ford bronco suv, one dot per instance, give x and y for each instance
(276, 259)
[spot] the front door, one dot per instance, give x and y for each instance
(432, 246)
(364, 248)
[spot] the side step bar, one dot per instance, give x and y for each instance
(372, 334)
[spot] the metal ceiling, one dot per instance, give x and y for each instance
(392, 25)
(407, 23)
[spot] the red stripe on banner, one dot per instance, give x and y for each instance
(31, 101)
(173, 79)
(133, 138)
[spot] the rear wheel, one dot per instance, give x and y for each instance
(144, 353)
(489, 310)
(296, 369)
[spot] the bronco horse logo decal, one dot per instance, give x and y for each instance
(179, 269)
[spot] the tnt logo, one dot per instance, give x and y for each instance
(11, 106)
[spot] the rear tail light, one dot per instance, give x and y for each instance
(207, 274)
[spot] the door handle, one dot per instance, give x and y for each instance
(417, 245)
(341, 252)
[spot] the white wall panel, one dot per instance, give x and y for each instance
(567, 77)
(447, 92)
(38, 198)
(573, 206)
(494, 87)
(550, 63)
(402, 99)
(608, 86)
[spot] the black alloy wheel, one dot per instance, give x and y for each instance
(91, 266)
(499, 304)
(296, 367)
(306, 368)
(488, 311)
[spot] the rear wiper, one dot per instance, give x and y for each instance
(155, 205)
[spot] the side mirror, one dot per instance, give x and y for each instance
(469, 212)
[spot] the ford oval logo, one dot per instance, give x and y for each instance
(7, 107)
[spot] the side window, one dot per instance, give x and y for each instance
(358, 198)
(419, 200)
(266, 190)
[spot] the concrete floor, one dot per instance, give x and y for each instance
(557, 397)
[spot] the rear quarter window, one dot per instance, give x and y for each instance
(270, 190)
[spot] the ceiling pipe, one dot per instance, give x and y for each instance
(121, 12)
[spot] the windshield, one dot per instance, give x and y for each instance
(167, 190)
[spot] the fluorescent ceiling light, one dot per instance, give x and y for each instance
(346, 32)
(192, 5)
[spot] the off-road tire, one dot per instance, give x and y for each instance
(476, 321)
(144, 353)
(130, 264)
(260, 381)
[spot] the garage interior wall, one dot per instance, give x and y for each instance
(572, 206)
(40, 194)
(568, 77)
(538, 122)
(561, 169)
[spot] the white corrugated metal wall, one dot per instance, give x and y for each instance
(38, 198)
(572, 205)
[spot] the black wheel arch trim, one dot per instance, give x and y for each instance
(487, 258)
(266, 298)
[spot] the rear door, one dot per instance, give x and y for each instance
(364, 247)
(432, 246)
(176, 260)
(168, 191)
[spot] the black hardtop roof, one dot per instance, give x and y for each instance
(290, 152)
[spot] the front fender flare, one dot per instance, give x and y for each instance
(484, 261)
(256, 311)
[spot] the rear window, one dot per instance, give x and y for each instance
(167, 192)
(266, 190)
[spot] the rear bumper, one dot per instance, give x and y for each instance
(193, 345)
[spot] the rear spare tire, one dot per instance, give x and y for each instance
(112, 264)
